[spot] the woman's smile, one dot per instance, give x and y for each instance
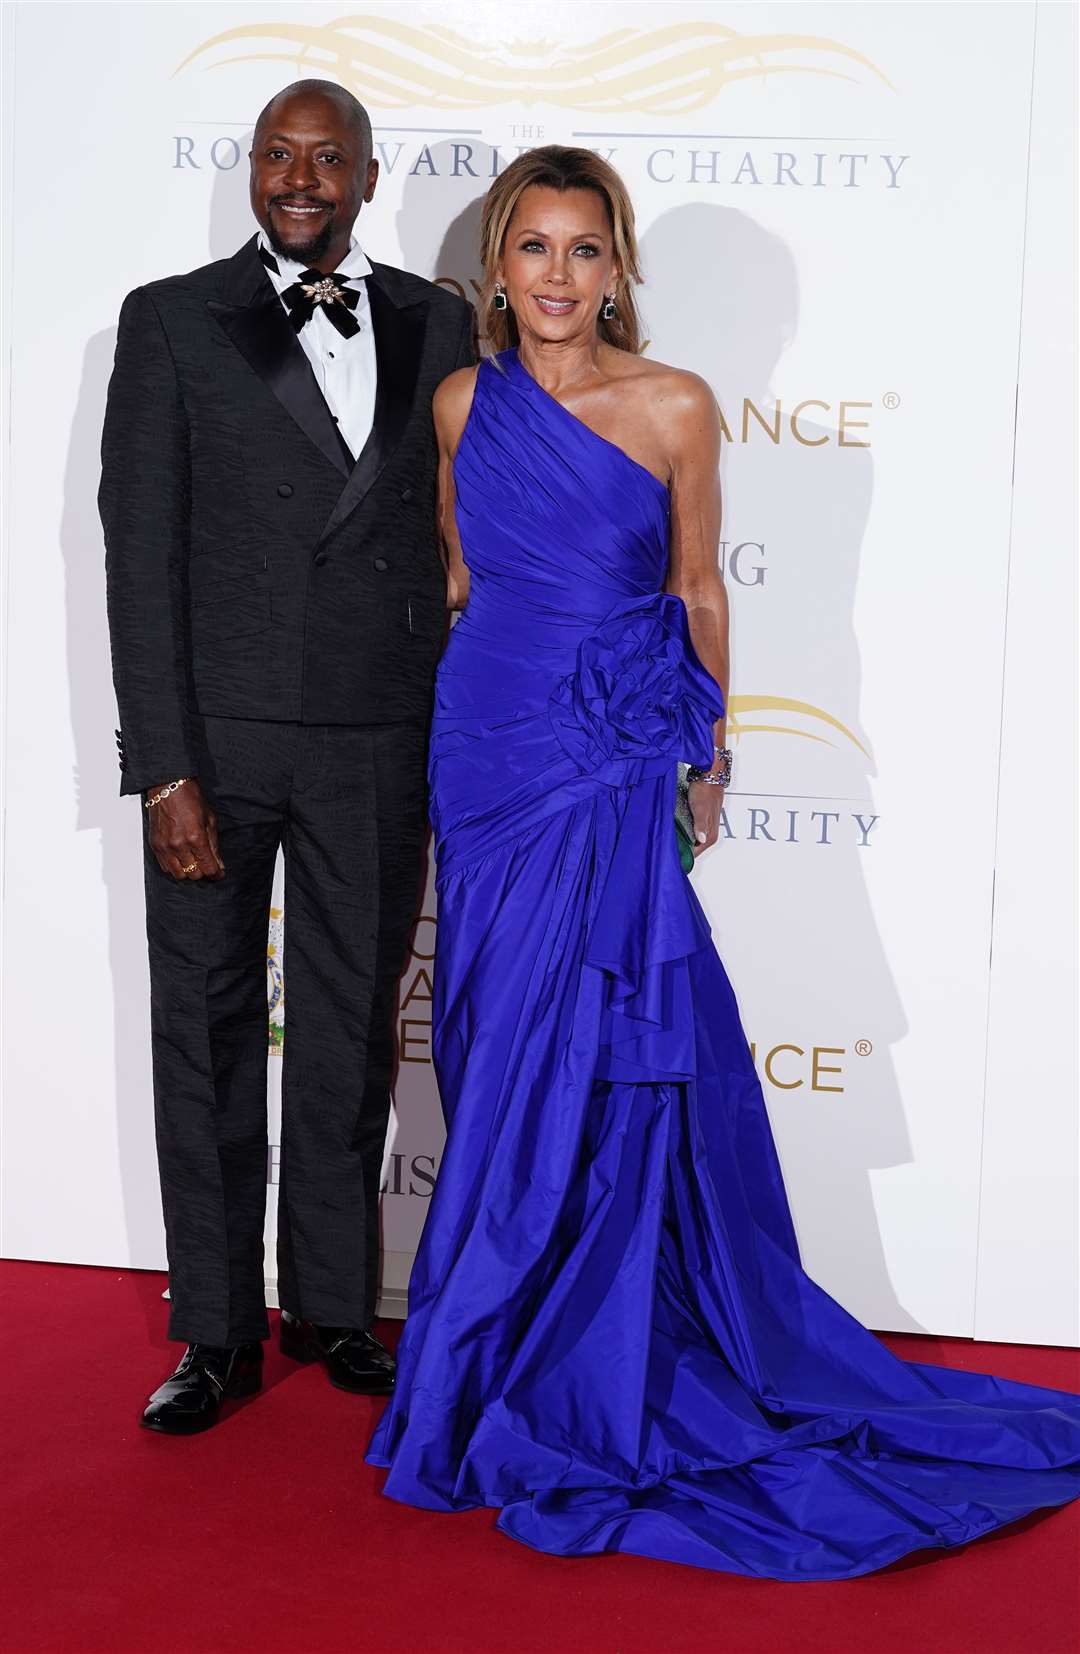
(552, 306)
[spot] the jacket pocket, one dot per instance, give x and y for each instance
(229, 607)
(426, 616)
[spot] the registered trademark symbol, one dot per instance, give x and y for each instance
(890, 400)
(863, 1047)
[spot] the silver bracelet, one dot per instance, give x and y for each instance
(163, 792)
(713, 777)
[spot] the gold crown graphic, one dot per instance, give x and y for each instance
(665, 71)
(741, 707)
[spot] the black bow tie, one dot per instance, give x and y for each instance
(315, 288)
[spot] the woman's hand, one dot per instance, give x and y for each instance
(706, 802)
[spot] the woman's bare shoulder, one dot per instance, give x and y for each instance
(676, 389)
(452, 401)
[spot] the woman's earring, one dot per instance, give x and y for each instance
(609, 312)
(500, 296)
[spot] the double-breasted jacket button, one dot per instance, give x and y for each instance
(406, 493)
(320, 559)
(285, 490)
(380, 565)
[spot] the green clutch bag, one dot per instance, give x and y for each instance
(684, 820)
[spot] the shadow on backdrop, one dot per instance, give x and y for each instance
(231, 222)
(101, 810)
(722, 298)
(93, 719)
(438, 223)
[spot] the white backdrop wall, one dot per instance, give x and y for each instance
(1028, 1284)
(848, 226)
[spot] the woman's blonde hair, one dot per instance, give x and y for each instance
(555, 167)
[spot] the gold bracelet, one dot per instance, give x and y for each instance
(174, 786)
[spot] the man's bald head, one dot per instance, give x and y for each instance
(351, 108)
(311, 170)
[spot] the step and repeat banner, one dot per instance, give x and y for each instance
(831, 204)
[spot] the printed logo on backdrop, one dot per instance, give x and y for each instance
(667, 71)
(414, 1173)
(791, 820)
(671, 71)
(275, 980)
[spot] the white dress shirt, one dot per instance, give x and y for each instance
(344, 368)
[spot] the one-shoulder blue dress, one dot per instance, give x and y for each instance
(610, 1337)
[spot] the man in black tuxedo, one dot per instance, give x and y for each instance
(277, 606)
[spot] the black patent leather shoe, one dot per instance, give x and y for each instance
(191, 1399)
(355, 1360)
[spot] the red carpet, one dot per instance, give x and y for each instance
(269, 1534)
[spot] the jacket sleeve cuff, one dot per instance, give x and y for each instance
(137, 781)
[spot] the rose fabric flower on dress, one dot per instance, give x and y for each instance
(638, 692)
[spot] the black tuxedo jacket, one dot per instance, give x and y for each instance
(253, 570)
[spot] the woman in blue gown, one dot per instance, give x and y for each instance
(610, 1337)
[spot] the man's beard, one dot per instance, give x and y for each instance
(310, 252)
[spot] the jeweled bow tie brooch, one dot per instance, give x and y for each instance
(324, 291)
(315, 288)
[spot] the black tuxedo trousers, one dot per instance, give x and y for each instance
(347, 806)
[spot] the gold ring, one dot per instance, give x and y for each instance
(190, 869)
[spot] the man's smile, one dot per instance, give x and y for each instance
(300, 209)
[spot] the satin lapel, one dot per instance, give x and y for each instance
(399, 341)
(262, 333)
